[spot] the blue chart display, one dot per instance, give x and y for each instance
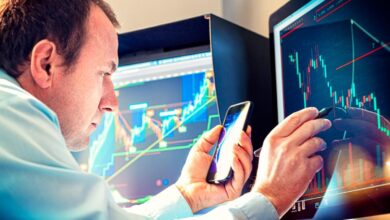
(332, 53)
(164, 107)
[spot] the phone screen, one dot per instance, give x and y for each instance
(235, 121)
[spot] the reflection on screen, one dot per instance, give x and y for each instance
(164, 107)
(331, 53)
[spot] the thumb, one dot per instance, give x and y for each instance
(207, 141)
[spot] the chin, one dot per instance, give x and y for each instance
(78, 145)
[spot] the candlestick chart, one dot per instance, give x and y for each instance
(332, 57)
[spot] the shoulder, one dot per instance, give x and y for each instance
(30, 130)
(16, 99)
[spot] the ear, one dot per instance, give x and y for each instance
(43, 57)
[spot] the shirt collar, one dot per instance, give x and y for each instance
(4, 75)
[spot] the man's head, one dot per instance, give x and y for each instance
(63, 52)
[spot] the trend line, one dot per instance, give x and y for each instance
(353, 22)
(363, 56)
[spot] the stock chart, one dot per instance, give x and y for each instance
(334, 56)
(141, 148)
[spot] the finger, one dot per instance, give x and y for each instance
(246, 143)
(245, 160)
(312, 146)
(238, 176)
(207, 141)
(309, 129)
(315, 164)
(294, 121)
(249, 131)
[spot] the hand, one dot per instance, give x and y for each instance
(192, 182)
(287, 161)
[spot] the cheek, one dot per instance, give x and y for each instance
(93, 95)
(87, 100)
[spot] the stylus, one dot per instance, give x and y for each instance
(324, 112)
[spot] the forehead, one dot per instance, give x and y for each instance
(101, 37)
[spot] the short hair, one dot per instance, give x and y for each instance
(23, 23)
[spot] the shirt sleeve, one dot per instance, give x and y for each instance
(167, 205)
(250, 206)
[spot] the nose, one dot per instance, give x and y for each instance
(109, 101)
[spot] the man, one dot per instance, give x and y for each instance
(56, 61)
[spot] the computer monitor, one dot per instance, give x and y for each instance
(166, 102)
(336, 53)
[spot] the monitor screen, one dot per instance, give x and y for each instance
(336, 53)
(164, 107)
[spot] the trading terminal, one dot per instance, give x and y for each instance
(176, 79)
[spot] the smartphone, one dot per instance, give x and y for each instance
(236, 120)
